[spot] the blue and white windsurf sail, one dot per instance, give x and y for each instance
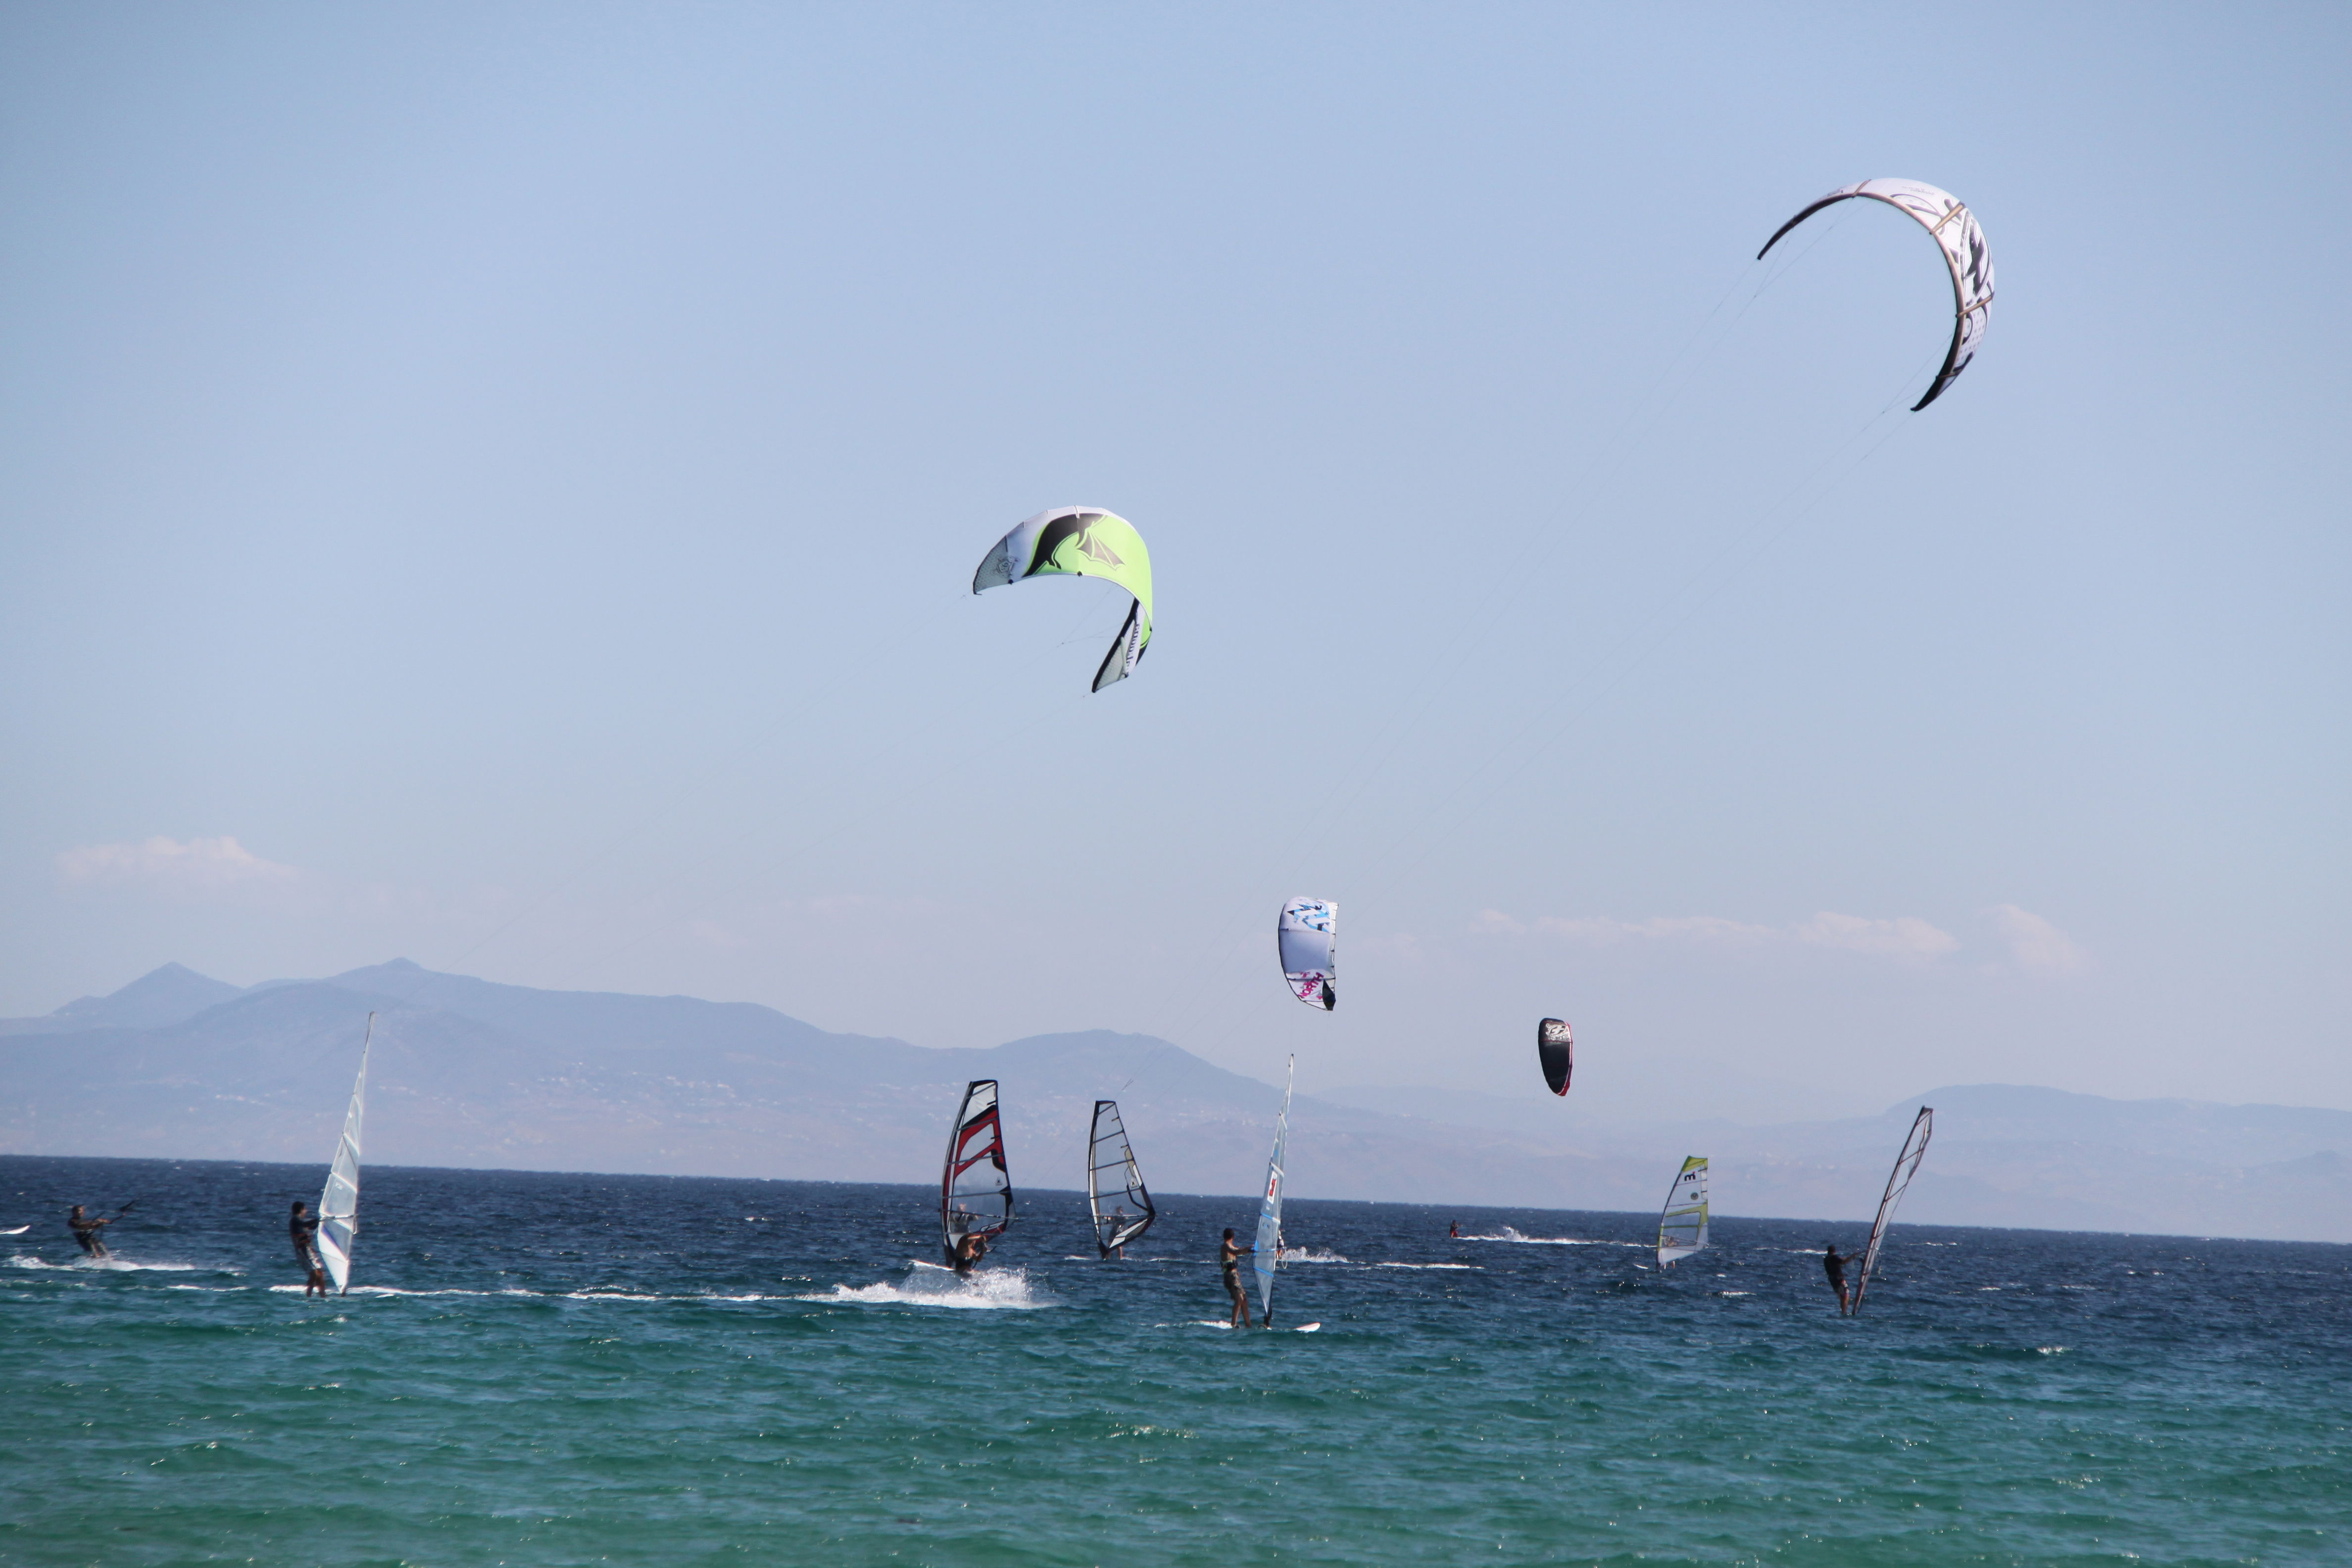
(1681, 1228)
(1898, 1181)
(1267, 1254)
(339, 1206)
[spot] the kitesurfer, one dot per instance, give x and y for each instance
(304, 1230)
(971, 1247)
(85, 1231)
(1834, 1267)
(1230, 1254)
(1454, 1229)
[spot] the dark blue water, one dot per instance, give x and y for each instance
(538, 1369)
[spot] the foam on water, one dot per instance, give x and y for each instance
(983, 1290)
(114, 1264)
(1513, 1235)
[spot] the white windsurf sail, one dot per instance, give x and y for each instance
(1115, 1191)
(339, 1206)
(1907, 1165)
(975, 1191)
(1308, 937)
(1681, 1228)
(1267, 1253)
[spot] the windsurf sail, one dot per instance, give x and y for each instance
(1267, 1253)
(1556, 1049)
(975, 1191)
(1308, 938)
(1115, 1191)
(339, 1206)
(1907, 1165)
(1681, 1228)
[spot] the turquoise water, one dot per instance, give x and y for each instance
(593, 1369)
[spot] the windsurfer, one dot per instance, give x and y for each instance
(1230, 1254)
(85, 1231)
(1454, 1229)
(304, 1230)
(970, 1249)
(1834, 1267)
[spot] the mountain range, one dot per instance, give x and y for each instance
(468, 1073)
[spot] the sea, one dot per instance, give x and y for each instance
(536, 1368)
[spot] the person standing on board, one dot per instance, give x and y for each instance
(969, 1249)
(1228, 1258)
(85, 1231)
(1834, 1265)
(304, 1229)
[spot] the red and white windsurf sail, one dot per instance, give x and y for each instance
(975, 1191)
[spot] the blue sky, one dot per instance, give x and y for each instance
(499, 485)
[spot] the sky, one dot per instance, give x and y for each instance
(499, 486)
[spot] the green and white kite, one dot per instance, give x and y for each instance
(1081, 541)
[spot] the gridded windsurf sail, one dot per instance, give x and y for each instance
(339, 1206)
(1115, 1191)
(1308, 938)
(1080, 542)
(1556, 1049)
(1954, 228)
(1907, 1165)
(1681, 1228)
(1266, 1255)
(976, 1190)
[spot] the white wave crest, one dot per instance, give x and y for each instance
(1472, 1267)
(114, 1266)
(1311, 1254)
(1510, 1235)
(395, 1291)
(983, 1290)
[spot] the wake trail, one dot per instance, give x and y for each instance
(926, 1285)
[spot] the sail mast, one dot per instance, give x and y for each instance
(1898, 1180)
(1267, 1253)
(339, 1206)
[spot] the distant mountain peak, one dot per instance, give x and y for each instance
(159, 998)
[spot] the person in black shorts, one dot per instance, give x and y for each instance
(85, 1231)
(1229, 1260)
(304, 1230)
(969, 1250)
(1834, 1265)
